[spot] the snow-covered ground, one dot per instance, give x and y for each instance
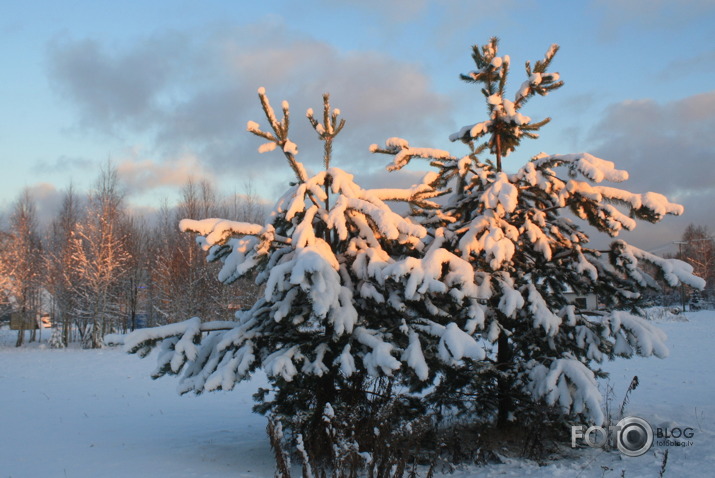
(79, 413)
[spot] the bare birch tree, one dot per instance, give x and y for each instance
(22, 263)
(698, 249)
(182, 282)
(60, 274)
(100, 258)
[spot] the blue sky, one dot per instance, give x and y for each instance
(164, 89)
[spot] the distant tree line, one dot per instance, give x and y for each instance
(696, 247)
(98, 268)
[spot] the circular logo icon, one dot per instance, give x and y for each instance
(634, 436)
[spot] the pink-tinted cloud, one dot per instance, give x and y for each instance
(142, 175)
(47, 201)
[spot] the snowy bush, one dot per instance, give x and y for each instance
(56, 340)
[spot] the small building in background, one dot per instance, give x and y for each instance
(20, 321)
(23, 321)
(582, 302)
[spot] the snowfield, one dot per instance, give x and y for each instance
(83, 413)
(89, 413)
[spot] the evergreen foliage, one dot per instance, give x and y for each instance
(328, 329)
(56, 340)
(461, 307)
(529, 253)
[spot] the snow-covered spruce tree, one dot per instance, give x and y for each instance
(332, 330)
(518, 233)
